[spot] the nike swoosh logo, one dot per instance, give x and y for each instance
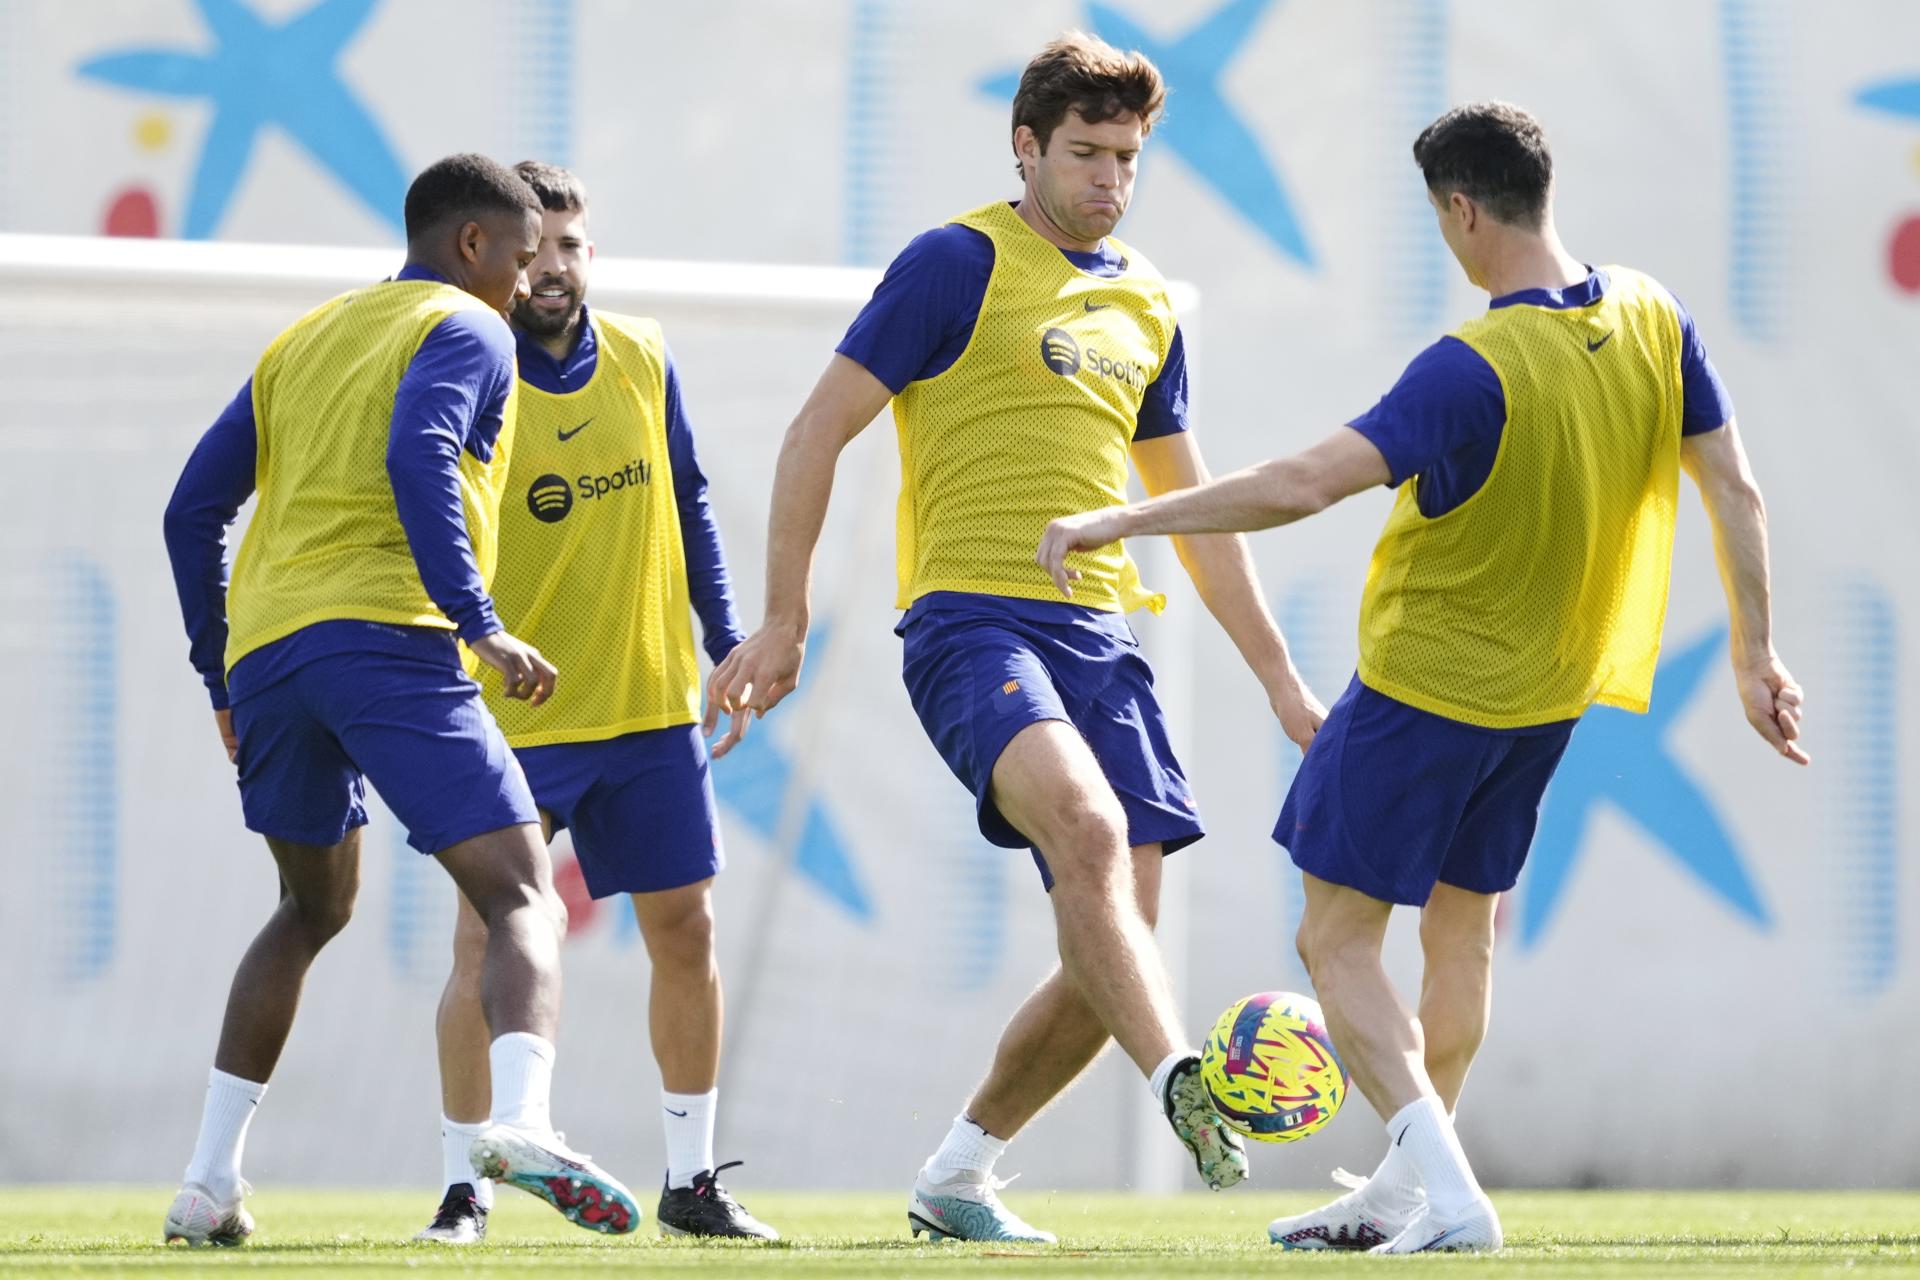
(1403, 1136)
(1595, 346)
(1091, 305)
(568, 435)
(670, 1111)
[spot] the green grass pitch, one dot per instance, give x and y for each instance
(115, 1230)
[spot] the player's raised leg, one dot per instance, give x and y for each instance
(505, 874)
(318, 885)
(1049, 785)
(1052, 1038)
(1055, 1034)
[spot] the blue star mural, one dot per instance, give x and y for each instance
(753, 782)
(1895, 97)
(260, 74)
(1201, 126)
(1624, 759)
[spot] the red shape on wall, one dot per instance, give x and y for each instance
(1903, 254)
(133, 213)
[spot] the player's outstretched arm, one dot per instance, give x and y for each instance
(1261, 497)
(765, 667)
(1772, 698)
(1222, 572)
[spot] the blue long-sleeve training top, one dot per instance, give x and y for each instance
(451, 399)
(708, 582)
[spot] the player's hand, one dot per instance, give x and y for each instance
(750, 681)
(223, 720)
(523, 672)
(742, 718)
(1083, 532)
(1299, 712)
(1774, 703)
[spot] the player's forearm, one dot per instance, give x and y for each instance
(1264, 496)
(802, 489)
(709, 585)
(1739, 518)
(1223, 574)
(214, 484)
(424, 472)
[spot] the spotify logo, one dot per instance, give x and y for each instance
(1060, 352)
(550, 498)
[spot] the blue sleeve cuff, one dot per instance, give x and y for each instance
(479, 623)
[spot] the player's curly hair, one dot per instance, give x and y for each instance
(1086, 75)
(462, 187)
(559, 190)
(1495, 154)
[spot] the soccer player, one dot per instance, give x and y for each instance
(1028, 356)
(376, 431)
(606, 537)
(1522, 577)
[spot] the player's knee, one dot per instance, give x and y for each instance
(1330, 954)
(322, 916)
(1088, 841)
(682, 937)
(553, 909)
(1455, 942)
(469, 953)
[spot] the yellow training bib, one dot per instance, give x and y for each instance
(1032, 422)
(1545, 591)
(592, 568)
(325, 540)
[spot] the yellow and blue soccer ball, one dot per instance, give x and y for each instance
(1270, 1068)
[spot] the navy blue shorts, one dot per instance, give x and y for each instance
(1391, 800)
(980, 669)
(640, 807)
(413, 726)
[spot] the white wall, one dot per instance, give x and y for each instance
(1723, 990)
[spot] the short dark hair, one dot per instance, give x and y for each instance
(1495, 154)
(1086, 75)
(461, 187)
(558, 189)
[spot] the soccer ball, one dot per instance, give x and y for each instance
(1270, 1068)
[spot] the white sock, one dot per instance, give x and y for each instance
(689, 1122)
(1423, 1129)
(969, 1151)
(1157, 1082)
(456, 1140)
(522, 1080)
(1395, 1187)
(230, 1105)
